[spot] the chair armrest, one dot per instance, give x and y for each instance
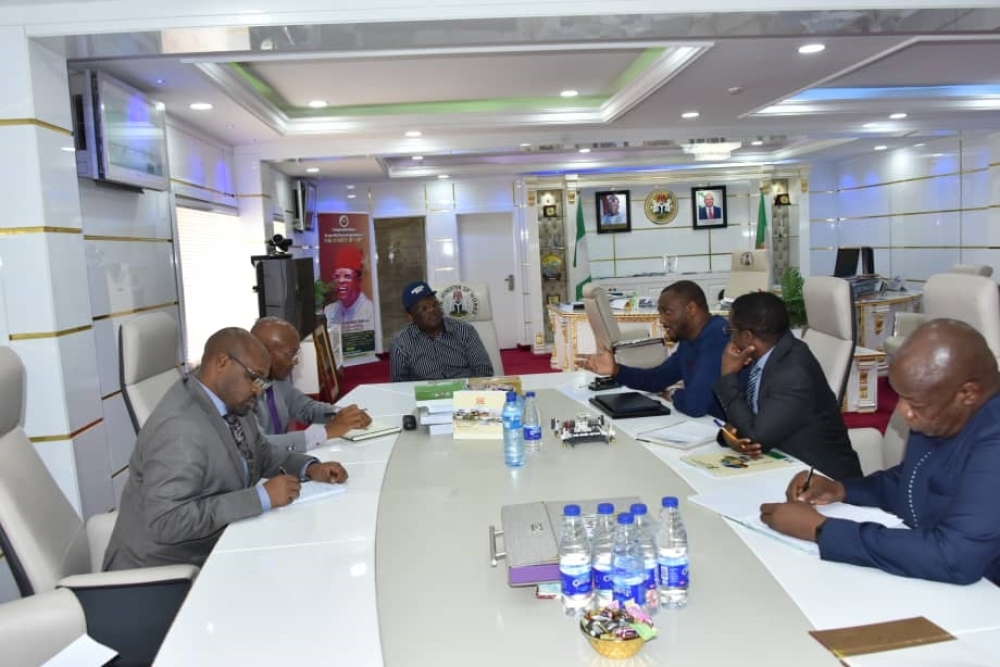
(867, 442)
(99, 528)
(134, 577)
(36, 628)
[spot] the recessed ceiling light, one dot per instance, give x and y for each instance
(811, 48)
(313, 170)
(897, 116)
(920, 145)
(690, 114)
(442, 176)
(417, 157)
(350, 187)
(569, 93)
(756, 142)
(160, 82)
(68, 149)
(201, 106)
(351, 196)
(870, 125)
(880, 148)
(734, 90)
(318, 104)
(584, 150)
(525, 145)
(413, 134)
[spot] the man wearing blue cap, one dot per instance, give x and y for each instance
(432, 346)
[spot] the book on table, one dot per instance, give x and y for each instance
(687, 434)
(477, 415)
(727, 463)
(375, 429)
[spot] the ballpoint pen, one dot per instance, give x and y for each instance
(809, 478)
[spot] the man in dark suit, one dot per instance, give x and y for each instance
(709, 211)
(784, 400)
(198, 459)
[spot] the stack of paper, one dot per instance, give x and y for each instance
(685, 435)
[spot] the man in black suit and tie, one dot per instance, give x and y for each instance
(784, 400)
(709, 211)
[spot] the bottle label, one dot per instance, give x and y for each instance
(623, 592)
(533, 432)
(602, 579)
(511, 421)
(575, 580)
(674, 574)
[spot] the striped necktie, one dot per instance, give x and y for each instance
(752, 385)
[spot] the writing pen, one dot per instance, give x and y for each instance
(809, 478)
(334, 412)
(718, 423)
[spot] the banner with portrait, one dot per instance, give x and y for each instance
(345, 269)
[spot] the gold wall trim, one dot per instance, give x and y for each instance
(37, 335)
(915, 247)
(202, 187)
(147, 239)
(912, 179)
(122, 313)
(57, 438)
(42, 229)
(9, 122)
(254, 196)
(111, 395)
(901, 215)
(118, 472)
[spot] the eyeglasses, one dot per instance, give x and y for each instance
(258, 381)
(728, 330)
(291, 355)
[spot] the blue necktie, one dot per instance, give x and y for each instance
(752, 384)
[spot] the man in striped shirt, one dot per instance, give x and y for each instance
(432, 346)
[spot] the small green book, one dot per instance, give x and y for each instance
(433, 391)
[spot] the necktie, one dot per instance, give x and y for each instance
(752, 384)
(273, 410)
(710, 212)
(241, 442)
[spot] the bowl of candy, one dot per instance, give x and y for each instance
(617, 632)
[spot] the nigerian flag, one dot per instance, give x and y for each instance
(581, 260)
(761, 224)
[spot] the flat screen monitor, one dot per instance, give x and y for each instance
(847, 262)
(285, 289)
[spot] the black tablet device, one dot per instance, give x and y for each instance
(629, 404)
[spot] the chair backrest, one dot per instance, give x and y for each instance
(974, 300)
(832, 328)
(470, 302)
(601, 317)
(148, 362)
(984, 270)
(34, 629)
(894, 440)
(41, 534)
(749, 271)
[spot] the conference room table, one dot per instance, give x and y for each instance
(396, 571)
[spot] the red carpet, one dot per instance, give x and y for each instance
(524, 362)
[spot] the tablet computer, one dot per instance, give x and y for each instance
(629, 404)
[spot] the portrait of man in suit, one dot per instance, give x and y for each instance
(612, 212)
(709, 206)
(708, 210)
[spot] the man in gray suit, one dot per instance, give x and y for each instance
(282, 402)
(198, 459)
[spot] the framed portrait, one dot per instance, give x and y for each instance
(708, 207)
(614, 212)
(329, 386)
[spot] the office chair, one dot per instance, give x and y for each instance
(877, 451)
(984, 270)
(749, 271)
(148, 362)
(641, 352)
(47, 546)
(832, 329)
(470, 302)
(34, 629)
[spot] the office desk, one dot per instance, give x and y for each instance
(351, 580)
(877, 313)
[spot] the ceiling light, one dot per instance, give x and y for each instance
(897, 116)
(442, 176)
(881, 148)
(690, 114)
(711, 150)
(920, 145)
(318, 104)
(351, 196)
(313, 170)
(201, 106)
(413, 134)
(68, 149)
(584, 150)
(811, 48)
(417, 157)
(525, 145)
(756, 142)
(734, 90)
(870, 125)
(160, 82)
(569, 93)
(350, 187)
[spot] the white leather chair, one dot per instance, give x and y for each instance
(984, 270)
(641, 352)
(36, 628)
(148, 362)
(749, 271)
(47, 546)
(470, 302)
(831, 333)
(877, 451)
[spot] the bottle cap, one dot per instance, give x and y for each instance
(570, 510)
(638, 508)
(529, 394)
(512, 397)
(625, 519)
(605, 508)
(669, 501)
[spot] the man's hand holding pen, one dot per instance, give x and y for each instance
(282, 489)
(798, 517)
(346, 419)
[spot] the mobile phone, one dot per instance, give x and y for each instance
(729, 435)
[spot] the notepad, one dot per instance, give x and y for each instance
(311, 491)
(374, 430)
(685, 435)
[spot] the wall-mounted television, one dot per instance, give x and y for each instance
(120, 134)
(304, 203)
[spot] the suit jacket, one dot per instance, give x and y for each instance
(703, 213)
(186, 482)
(290, 403)
(796, 410)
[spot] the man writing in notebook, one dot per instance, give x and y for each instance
(198, 460)
(282, 402)
(783, 400)
(696, 361)
(945, 487)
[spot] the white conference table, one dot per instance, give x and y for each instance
(305, 577)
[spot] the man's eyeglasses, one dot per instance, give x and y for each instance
(728, 330)
(292, 355)
(258, 381)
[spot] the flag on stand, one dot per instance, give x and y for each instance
(761, 224)
(581, 260)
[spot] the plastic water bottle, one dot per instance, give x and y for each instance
(644, 534)
(574, 563)
(626, 563)
(672, 556)
(532, 424)
(513, 443)
(603, 541)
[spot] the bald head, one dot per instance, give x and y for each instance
(231, 340)
(233, 360)
(943, 373)
(272, 328)
(282, 342)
